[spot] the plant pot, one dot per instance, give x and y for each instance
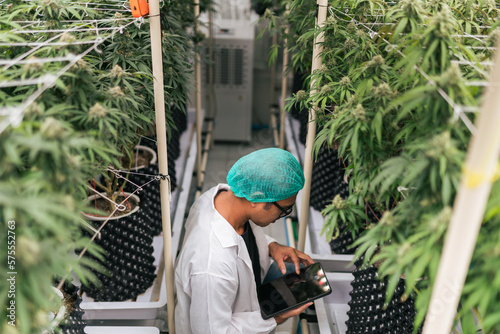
(133, 197)
(153, 160)
(128, 266)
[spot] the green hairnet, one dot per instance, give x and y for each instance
(266, 175)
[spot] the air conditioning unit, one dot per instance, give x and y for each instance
(233, 80)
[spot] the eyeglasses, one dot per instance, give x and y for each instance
(284, 212)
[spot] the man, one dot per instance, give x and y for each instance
(226, 254)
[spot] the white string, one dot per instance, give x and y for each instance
(24, 55)
(44, 79)
(466, 62)
(444, 95)
(461, 61)
(80, 21)
(48, 44)
(16, 113)
(479, 84)
(34, 60)
(469, 109)
(119, 207)
(101, 4)
(61, 30)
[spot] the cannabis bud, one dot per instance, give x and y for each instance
(452, 76)
(382, 90)
(52, 128)
(360, 34)
(67, 38)
(73, 160)
(117, 72)
(350, 43)
(116, 92)
(336, 111)
(442, 218)
(345, 81)
(54, 4)
(323, 69)
(97, 110)
(34, 109)
(359, 113)
(439, 144)
(387, 219)
(376, 61)
(443, 22)
(338, 203)
(28, 251)
(268, 14)
(33, 65)
(331, 62)
(351, 27)
(301, 95)
(81, 64)
(330, 22)
(326, 89)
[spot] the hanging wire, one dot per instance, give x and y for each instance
(80, 21)
(47, 44)
(15, 113)
(456, 108)
(24, 55)
(44, 79)
(62, 30)
(34, 60)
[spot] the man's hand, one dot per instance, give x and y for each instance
(292, 313)
(280, 254)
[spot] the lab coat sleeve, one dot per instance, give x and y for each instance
(211, 311)
(269, 239)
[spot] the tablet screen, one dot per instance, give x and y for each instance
(292, 290)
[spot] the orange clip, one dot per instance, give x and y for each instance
(139, 7)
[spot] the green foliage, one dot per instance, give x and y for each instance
(88, 120)
(385, 97)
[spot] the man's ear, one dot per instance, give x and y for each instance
(252, 204)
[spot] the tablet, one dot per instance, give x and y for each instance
(292, 290)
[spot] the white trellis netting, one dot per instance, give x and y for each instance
(27, 76)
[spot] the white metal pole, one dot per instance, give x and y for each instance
(210, 124)
(211, 71)
(161, 136)
(311, 129)
(272, 107)
(199, 120)
(284, 83)
(468, 211)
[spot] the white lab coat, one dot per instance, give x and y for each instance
(214, 278)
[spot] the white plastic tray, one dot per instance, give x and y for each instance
(332, 310)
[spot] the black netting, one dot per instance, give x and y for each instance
(327, 179)
(367, 313)
(73, 323)
(128, 265)
(342, 244)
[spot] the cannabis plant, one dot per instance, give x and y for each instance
(388, 93)
(53, 144)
